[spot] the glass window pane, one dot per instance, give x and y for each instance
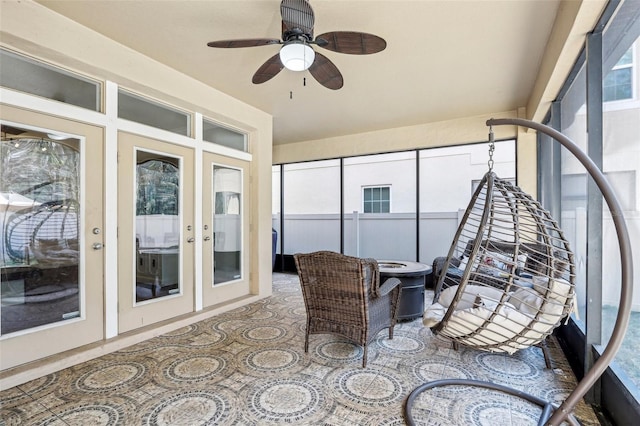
(621, 164)
(39, 224)
(312, 206)
(386, 236)
(212, 132)
(384, 193)
(618, 84)
(144, 111)
(157, 225)
(573, 186)
(227, 224)
(26, 75)
(448, 177)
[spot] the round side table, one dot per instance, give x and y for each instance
(412, 276)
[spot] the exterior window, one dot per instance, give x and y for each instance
(618, 84)
(377, 199)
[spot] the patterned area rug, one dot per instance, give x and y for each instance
(248, 367)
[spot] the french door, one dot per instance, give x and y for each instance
(51, 220)
(225, 246)
(155, 231)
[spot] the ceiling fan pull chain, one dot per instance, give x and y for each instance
(290, 94)
(304, 81)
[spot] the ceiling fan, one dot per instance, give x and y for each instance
(296, 53)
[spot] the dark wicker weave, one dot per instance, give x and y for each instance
(343, 295)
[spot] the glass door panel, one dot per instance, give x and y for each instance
(157, 225)
(227, 224)
(155, 243)
(225, 218)
(48, 201)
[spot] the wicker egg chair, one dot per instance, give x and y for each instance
(509, 279)
(516, 277)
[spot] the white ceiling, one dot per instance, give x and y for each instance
(444, 59)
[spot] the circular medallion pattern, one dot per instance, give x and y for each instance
(339, 351)
(295, 299)
(508, 367)
(262, 314)
(98, 415)
(110, 377)
(242, 310)
(496, 412)
(436, 369)
(298, 312)
(190, 408)
(272, 359)
(401, 343)
(285, 401)
(264, 333)
(370, 387)
(556, 396)
(226, 326)
(207, 339)
(195, 368)
(285, 289)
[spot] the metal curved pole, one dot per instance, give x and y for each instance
(622, 320)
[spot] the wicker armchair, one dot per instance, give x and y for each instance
(343, 295)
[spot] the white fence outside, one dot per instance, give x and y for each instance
(392, 236)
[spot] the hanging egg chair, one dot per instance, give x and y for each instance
(515, 275)
(509, 279)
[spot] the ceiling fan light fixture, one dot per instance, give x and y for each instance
(297, 56)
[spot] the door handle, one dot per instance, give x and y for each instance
(97, 246)
(190, 239)
(207, 238)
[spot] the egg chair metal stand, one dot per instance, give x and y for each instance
(515, 279)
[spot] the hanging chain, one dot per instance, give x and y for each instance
(492, 147)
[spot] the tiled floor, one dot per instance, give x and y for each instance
(248, 367)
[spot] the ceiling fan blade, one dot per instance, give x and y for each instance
(326, 72)
(351, 42)
(249, 42)
(297, 14)
(268, 70)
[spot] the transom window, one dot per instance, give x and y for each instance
(376, 199)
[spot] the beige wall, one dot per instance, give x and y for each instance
(27, 27)
(33, 30)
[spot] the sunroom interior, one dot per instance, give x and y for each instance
(190, 188)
